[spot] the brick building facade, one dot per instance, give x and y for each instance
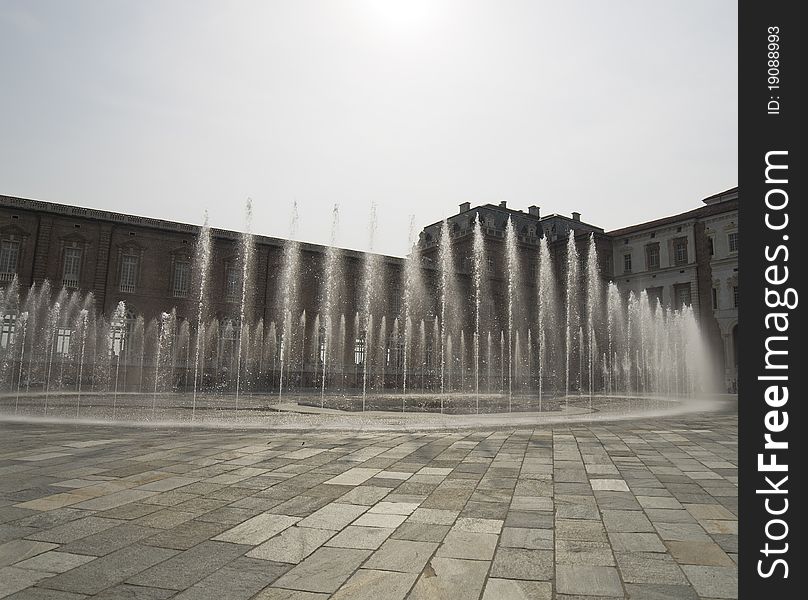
(689, 258)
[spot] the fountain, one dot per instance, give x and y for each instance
(202, 266)
(571, 307)
(366, 307)
(246, 257)
(513, 272)
(289, 281)
(328, 295)
(478, 246)
(431, 334)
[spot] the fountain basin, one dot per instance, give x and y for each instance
(343, 412)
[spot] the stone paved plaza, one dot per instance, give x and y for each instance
(638, 509)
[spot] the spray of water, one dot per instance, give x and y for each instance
(371, 266)
(288, 289)
(246, 256)
(328, 295)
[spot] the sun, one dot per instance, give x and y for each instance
(401, 14)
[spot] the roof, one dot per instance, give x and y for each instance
(709, 210)
(570, 220)
(494, 207)
(717, 197)
(512, 211)
(159, 224)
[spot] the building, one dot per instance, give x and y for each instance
(690, 258)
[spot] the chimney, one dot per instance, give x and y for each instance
(465, 207)
(534, 211)
(503, 204)
(576, 216)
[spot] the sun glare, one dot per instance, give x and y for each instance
(400, 14)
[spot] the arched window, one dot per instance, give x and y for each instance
(121, 329)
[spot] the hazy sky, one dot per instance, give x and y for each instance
(622, 110)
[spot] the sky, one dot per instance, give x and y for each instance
(622, 110)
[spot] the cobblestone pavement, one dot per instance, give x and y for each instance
(644, 509)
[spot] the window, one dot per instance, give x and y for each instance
(682, 295)
(9, 324)
(231, 284)
(120, 330)
(400, 355)
(321, 345)
(735, 295)
(465, 264)
(359, 350)
(395, 303)
(532, 268)
(732, 238)
(117, 341)
(715, 298)
(71, 267)
(230, 331)
(9, 255)
(182, 278)
(627, 263)
(128, 273)
(63, 340)
(654, 296)
(680, 251)
(652, 256)
(711, 244)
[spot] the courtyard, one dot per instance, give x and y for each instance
(643, 509)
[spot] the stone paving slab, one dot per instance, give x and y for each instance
(635, 509)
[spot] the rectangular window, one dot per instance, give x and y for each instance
(128, 273)
(9, 324)
(682, 295)
(9, 255)
(652, 256)
(182, 279)
(680, 251)
(117, 339)
(711, 243)
(735, 295)
(321, 346)
(359, 351)
(231, 284)
(627, 263)
(72, 267)
(732, 238)
(715, 298)
(63, 340)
